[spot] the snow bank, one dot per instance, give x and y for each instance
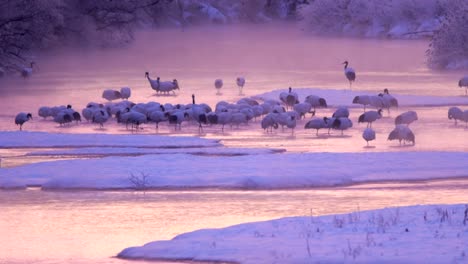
(295, 170)
(128, 151)
(396, 19)
(416, 234)
(25, 139)
(340, 97)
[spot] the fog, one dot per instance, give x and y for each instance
(273, 56)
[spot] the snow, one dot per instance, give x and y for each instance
(115, 151)
(269, 171)
(399, 30)
(415, 234)
(340, 97)
(213, 14)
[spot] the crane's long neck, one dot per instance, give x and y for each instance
(193, 99)
(345, 65)
(149, 79)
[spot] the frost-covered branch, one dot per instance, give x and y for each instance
(449, 45)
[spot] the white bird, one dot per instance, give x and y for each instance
(199, 114)
(248, 101)
(168, 86)
(88, 111)
(218, 85)
(269, 122)
(100, 117)
(177, 117)
(369, 117)
(341, 112)
(278, 109)
(63, 117)
(123, 116)
(289, 98)
(272, 102)
(368, 135)
(315, 101)
(288, 119)
(363, 100)
(342, 124)
(302, 109)
(388, 98)
(386, 101)
(455, 113)
(110, 94)
(267, 108)
(406, 118)
(154, 83)
(317, 123)
(27, 71)
(44, 111)
(240, 81)
(22, 118)
(248, 112)
(349, 73)
(257, 111)
(136, 119)
(125, 92)
(238, 118)
(377, 101)
(76, 116)
(402, 133)
(157, 116)
(465, 117)
(57, 109)
(220, 118)
(463, 83)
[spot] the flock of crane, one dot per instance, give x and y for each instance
(284, 112)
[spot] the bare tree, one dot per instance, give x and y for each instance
(449, 45)
(24, 25)
(28, 25)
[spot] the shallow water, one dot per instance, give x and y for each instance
(92, 227)
(282, 56)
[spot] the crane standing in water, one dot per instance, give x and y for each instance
(349, 73)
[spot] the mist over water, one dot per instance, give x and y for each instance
(269, 57)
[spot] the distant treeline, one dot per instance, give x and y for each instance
(27, 26)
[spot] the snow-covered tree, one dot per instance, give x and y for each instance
(373, 18)
(26, 25)
(449, 46)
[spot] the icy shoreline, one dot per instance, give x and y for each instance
(340, 97)
(414, 234)
(266, 171)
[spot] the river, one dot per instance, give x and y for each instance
(92, 226)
